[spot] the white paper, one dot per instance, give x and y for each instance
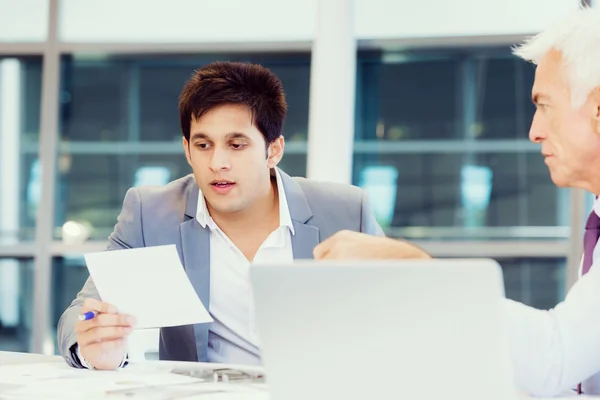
(147, 381)
(149, 283)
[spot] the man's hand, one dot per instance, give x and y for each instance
(349, 245)
(102, 340)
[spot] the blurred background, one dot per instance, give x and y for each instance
(435, 114)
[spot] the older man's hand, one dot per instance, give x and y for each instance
(348, 245)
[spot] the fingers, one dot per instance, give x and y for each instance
(326, 248)
(107, 325)
(98, 306)
(321, 250)
(105, 320)
(103, 334)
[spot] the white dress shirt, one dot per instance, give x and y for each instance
(233, 335)
(553, 351)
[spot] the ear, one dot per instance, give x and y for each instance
(275, 152)
(186, 148)
(595, 100)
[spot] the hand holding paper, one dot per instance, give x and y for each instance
(101, 335)
(149, 284)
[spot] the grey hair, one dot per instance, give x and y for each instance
(577, 38)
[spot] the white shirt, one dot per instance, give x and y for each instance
(553, 351)
(233, 335)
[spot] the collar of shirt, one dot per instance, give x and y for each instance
(285, 219)
(597, 206)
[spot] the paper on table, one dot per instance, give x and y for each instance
(149, 283)
(146, 381)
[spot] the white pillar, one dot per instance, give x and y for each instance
(10, 130)
(332, 92)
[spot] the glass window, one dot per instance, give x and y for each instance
(20, 95)
(443, 190)
(120, 127)
(443, 95)
(444, 133)
(16, 304)
(537, 282)
(23, 20)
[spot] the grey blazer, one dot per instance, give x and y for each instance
(154, 216)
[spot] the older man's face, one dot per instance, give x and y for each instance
(569, 136)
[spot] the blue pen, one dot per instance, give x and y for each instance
(87, 316)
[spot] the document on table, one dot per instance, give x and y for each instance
(149, 283)
(147, 381)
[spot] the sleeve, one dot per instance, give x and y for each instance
(368, 223)
(555, 350)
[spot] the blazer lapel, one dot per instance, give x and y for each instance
(305, 240)
(195, 244)
(306, 236)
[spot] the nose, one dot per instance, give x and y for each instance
(219, 160)
(537, 133)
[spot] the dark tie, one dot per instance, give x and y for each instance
(590, 239)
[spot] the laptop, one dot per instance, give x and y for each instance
(418, 329)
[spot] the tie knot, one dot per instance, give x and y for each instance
(593, 221)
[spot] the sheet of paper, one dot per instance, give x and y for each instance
(147, 381)
(149, 283)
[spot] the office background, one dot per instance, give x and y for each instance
(434, 113)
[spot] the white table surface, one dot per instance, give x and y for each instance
(12, 358)
(237, 390)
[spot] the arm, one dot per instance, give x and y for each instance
(553, 351)
(368, 223)
(127, 234)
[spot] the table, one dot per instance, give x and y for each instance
(10, 358)
(25, 376)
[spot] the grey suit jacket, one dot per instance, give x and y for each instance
(154, 216)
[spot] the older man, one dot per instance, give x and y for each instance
(558, 349)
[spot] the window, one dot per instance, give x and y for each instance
(16, 303)
(451, 130)
(537, 282)
(20, 95)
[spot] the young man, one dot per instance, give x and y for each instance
(554, 350)
(237, 208)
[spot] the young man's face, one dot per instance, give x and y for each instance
(230, 158)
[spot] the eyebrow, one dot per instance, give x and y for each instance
(199, 135)
(535, 98)
(237, 135)
(229, 136)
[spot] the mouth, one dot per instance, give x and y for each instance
(222, 185)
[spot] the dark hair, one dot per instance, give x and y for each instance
(221, 83)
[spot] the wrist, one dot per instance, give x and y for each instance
(85, 363)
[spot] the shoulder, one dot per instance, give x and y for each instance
(151, 215)
(330, 191)
(334, 206)
(167, 199)
(174, 189)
